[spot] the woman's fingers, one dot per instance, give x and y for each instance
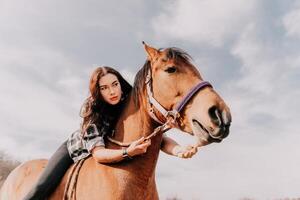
(140, 146)
(140, 141)
(144, 145)
(137, 142)
(189, 147)
(188, 153)
(180, 155)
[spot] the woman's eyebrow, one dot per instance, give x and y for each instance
(111, 83)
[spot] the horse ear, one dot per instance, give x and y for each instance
(151, 52)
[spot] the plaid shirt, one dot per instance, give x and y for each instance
(80, 145)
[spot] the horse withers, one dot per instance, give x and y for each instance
(168, 86)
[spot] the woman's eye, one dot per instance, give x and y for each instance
(102, 88)
(115, 84)
(171, 69)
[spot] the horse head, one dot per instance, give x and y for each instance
(176, 89)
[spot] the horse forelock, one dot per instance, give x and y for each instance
(178, 55)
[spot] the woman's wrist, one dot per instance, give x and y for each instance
(125, 154)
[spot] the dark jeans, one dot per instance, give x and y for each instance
(56, 168)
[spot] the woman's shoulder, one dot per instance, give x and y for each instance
(92, 130)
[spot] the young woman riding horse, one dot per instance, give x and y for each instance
(100, 111)
(168, 86)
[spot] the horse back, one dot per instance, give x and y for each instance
(108, 181)
(21, 179)
(94, 181)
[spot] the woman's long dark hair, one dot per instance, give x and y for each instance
(94, 109)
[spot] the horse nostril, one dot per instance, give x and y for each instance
(215, 115)
(226, 131)
(226, 116)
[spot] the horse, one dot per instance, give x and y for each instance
(168, 88)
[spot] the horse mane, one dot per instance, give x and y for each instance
(139, 85)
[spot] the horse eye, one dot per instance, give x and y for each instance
(171, 69)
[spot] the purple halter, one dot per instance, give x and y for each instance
(175, 112)
(191, 93)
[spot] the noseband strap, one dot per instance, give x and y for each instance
(191, 93)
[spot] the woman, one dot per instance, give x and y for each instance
(100, 112)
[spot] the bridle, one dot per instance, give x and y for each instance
(172, 117)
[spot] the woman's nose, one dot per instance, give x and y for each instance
(112, 91)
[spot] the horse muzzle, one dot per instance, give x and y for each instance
(216, 130)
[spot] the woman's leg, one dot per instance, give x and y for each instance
(57, 165)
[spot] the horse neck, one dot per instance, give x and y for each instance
(133, 124)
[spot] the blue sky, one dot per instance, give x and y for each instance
(249, 51)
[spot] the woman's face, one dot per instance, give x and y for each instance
(110, 88)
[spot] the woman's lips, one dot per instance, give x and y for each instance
(114, 98)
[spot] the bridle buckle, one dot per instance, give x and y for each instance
(174, 114)
(172, 117)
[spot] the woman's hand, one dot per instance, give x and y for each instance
(185, 151)
(138, 147)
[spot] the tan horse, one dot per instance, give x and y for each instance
(173, 76)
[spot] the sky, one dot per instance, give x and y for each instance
(249, 51)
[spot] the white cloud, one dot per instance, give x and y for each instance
(31, 111)
(264, 76)
(37, 104)
(128, 75)
(203, 21)
(291, 22)
(258, 70)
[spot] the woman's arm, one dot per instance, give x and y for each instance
(171, 147)
(103, 155)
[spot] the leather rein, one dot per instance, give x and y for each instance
(172, 117)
